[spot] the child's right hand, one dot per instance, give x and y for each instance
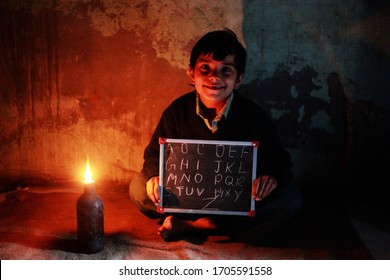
(153, 189)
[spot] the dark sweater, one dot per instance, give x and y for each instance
(246, 121)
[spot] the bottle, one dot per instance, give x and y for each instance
(90, 221)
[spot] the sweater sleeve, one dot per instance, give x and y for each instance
(274, 159)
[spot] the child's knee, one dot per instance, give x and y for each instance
(137, 187)
(294, 201)
(137, 193)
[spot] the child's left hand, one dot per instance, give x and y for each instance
(263, 186)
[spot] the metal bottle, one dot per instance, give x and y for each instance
(90, 221)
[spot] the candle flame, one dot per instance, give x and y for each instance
(88, 174)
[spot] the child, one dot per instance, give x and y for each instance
(215, 111)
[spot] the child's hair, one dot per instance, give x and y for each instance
(220, 44)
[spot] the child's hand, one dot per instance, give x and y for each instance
(263, 186)
(153, 189)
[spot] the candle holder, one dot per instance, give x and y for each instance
(90, 220)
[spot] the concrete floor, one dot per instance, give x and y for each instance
(376, 240)
(372, 226)
(370, 221)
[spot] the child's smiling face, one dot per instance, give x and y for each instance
(215, 80)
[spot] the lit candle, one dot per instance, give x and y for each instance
(90, 216)
(88, 175)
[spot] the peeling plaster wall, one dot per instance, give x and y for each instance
(320, 68)
(90, 78)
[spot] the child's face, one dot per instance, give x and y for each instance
(215, 80)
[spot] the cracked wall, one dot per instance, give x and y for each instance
(90, 78)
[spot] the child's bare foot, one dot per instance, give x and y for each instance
(174, 227)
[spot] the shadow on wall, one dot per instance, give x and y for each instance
(355, 144)
(339, 142)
